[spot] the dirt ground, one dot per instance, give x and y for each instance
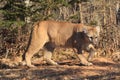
(103, 69)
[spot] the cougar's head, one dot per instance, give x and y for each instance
(93, 34)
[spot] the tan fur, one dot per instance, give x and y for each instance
(57, 33)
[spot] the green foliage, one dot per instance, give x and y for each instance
(76, 16)
(14, 10)
(77, 1)
(61, 2)
(45, 8)
(93, 22)
(8, 24)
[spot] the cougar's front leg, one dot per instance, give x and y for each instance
(82, 58)
(91, 51)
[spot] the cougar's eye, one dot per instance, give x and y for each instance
(90, 38)
(95, 37)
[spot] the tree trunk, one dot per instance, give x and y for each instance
(80, 12)
(27, 4)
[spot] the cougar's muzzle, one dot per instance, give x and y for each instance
(94, 41)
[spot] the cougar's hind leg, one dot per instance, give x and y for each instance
(49, 48)
(33, 48)
(47, 58)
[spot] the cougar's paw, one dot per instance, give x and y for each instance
(51, 62)
(31, 66)
(56, 64)
(87, 64)
(89, 59)
(23, 63)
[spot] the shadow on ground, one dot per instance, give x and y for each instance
(67, 70)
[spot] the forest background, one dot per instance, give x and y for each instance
(18, 16)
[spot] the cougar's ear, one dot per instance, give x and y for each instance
(84, 30)
(98, 28)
